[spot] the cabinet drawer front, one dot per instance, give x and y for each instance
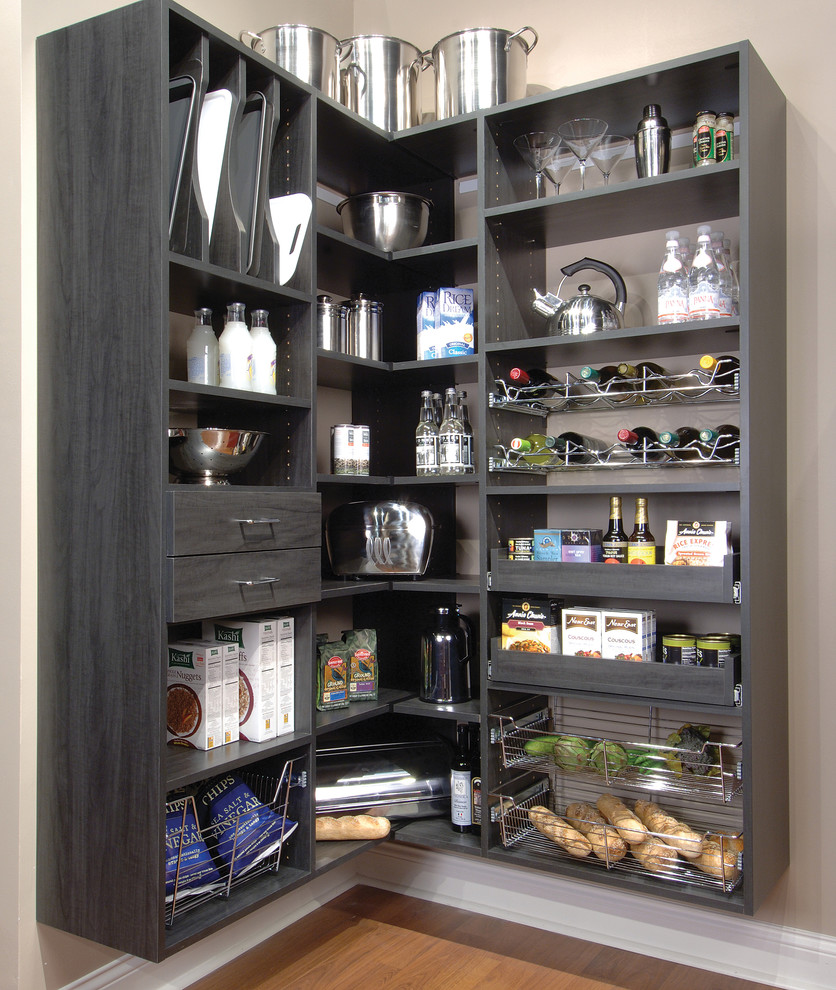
(238, 522)
(228, 584)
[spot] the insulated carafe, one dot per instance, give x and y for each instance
(446, 649)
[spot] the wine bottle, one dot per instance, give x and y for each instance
(574, 448)
(535, 448)
(725, 371)
(642, 442)
(641, 547)
(647, 375)
(722, 442)
(538, 384)
(610, 383)
(460, 796)
(614, 542)
(683, 443)
(475, 781)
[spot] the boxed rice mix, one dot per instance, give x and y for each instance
(256, 641)
(531, 624)
(581, 632)
(628, 635)
(194, 695)
(696, 543)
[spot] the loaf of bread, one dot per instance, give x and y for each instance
(656, 856)
(717, 862)
(351, 827)
(618, 814)
(559, 831)
(670, 830)
(606, 843)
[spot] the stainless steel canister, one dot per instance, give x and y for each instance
(479, 68)
(380, 80)
(327, 324)
(305, 52)
(360, 328)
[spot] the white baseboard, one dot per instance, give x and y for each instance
(778, 957)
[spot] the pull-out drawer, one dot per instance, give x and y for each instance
(230, 521)
(200, 587)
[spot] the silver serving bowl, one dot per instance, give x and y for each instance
(390, 221)
(207, 455)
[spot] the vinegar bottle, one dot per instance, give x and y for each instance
(641, 547)
(202, 350)
(236, 351)
(264, 354)
(460, 796)
(614, 542)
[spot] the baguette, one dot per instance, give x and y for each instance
(656, 856)
(351, 827)
(606, 843)
(717, 862)
(559, 831)
(675, 833)
(618, 814)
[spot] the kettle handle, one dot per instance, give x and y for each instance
(604, 269)
(467, 627)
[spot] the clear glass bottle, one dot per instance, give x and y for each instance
(264, 353)
(672, 284)
(536, 448)
(704, 280)
(235, 348)
(451, 436)
(726, 280)
(202, 350)
(641, 546)
(438, 408)
(426, 438)
(468, 455)
(735, 281)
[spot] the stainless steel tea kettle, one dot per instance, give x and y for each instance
(446, 649)
(583, 313)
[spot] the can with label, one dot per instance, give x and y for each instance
(362, 440)
(679, 648)
(724, 137)
(705, 152)
(343, 456)
(713, 650)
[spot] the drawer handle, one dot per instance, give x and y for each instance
(250, 584)
(256, 522)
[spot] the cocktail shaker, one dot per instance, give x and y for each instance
(653, 142)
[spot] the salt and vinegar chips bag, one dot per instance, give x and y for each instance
(362, 664)
(184, 843)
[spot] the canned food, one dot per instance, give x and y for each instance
(362, 441)
(724, 137)
(705, 152)
(343, 456)
(714, 649)
(679, 648)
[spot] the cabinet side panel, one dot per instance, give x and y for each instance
(763, 473)
(101, 409)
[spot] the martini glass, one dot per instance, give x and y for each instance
(582, 135)
(561, 165)
(538, 148)
(608, 153)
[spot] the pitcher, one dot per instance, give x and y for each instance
(446, 648)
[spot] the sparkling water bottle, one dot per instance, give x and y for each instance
(672, 284)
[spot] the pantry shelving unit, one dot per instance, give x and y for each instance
(125, 553)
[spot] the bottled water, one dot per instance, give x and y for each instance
(202, 350)
(672, 284)
(735, 281)
(723, 270)
(704, 280)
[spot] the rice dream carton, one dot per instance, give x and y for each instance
(581, 629)
(454, 325)
(426, 326)
(256, 641)
(194, 695)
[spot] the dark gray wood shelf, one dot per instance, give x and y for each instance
(185, 396)
(436, 833)
(347, 588)
(359, 711)
(186, 766)
(463, 711)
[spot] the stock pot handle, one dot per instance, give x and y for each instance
(358, 71)
(252, 38)
(427, 60)
(528, 48)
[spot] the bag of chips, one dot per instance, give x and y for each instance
(183, 841)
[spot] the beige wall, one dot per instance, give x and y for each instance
(578, 42)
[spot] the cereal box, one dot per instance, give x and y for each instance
(194, 695)
(285, 680)
(229, 651)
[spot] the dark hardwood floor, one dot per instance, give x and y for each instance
(371, 939)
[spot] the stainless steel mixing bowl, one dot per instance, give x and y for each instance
(207, 455)
(390, 221)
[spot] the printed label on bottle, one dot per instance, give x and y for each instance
(673, 306)
(476, 803)
(426, 452)
(641, 553)
(614, 553)
(704, 302)
(460, 799)
(450, 448)
(721, 144)
(704, 153)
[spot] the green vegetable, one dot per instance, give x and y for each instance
(644, 761)
(614, 760)
(541, 746)
(571, 753)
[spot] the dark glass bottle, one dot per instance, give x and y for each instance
(610, 382)
(614, 543)
(725, 371)
(460, 796)
(475, 781)
(642, 442)
(683, 442)
(574, 448)
(641, 547)
(547, 385)
(722, 442)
